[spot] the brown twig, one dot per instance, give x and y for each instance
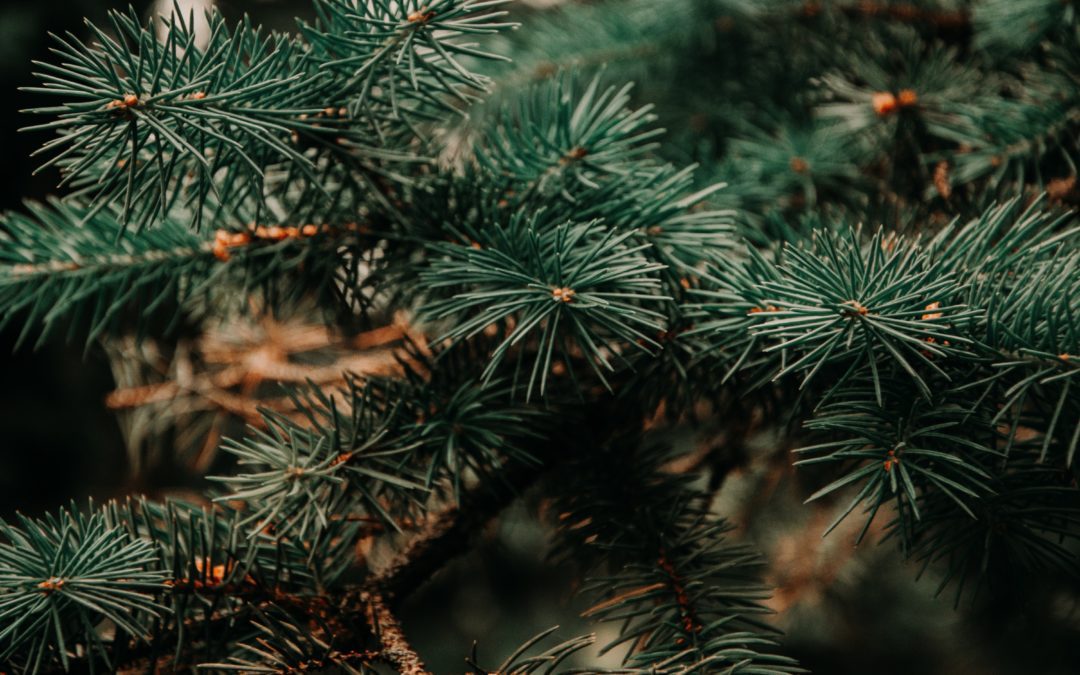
(395, 647)
(449, 534)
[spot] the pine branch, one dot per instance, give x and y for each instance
(1006, 138)
(367, 44)
(383, 445)
(581, 286)
(844, 305)
(996, 23)
(810, 161)
(348, 459)
(60, 577)
(556, 252)
(683, 598)
(521, 662)
(62, 264)
(220, 576)
(142, 115)
(731, 294)
(573, 37)
(159, 123)
(1025, 529)
(67, 266)
(902, 450)
(943, 455)
(553, 138)
(883, 94)
(286, 646)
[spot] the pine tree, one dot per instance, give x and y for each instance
(854, 236)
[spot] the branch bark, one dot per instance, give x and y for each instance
(395, 647)
(450, 533)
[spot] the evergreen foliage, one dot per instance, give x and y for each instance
(890, 279)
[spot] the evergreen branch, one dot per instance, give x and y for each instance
(842, 304)
(581, 286)
(996, 126)
(61, 578)
(1011, 273)
(554, 139)
(1012, 136)
(809, 159)
(1013, 26)
(940, 369)
(730, 296)
(380, 444)
(284, 646)
(521, 662)
(1004, 237)
(1021, 266)
(1023, 530)
(66, 266)
(178, 584)
(661, 206)
(160, 123)
(151, 123)
(645, 41)
(61, 264)
(205, 552)
(884, 94)
(219, 575)
(582, 37)
(467, 431)
(348, 459)
(402, 54)
(1035, 332)
(900, 448)
(682, 596)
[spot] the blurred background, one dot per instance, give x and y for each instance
(70, 427)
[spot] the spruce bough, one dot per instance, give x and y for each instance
(578, 292)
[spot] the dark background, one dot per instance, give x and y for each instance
(57, 441)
